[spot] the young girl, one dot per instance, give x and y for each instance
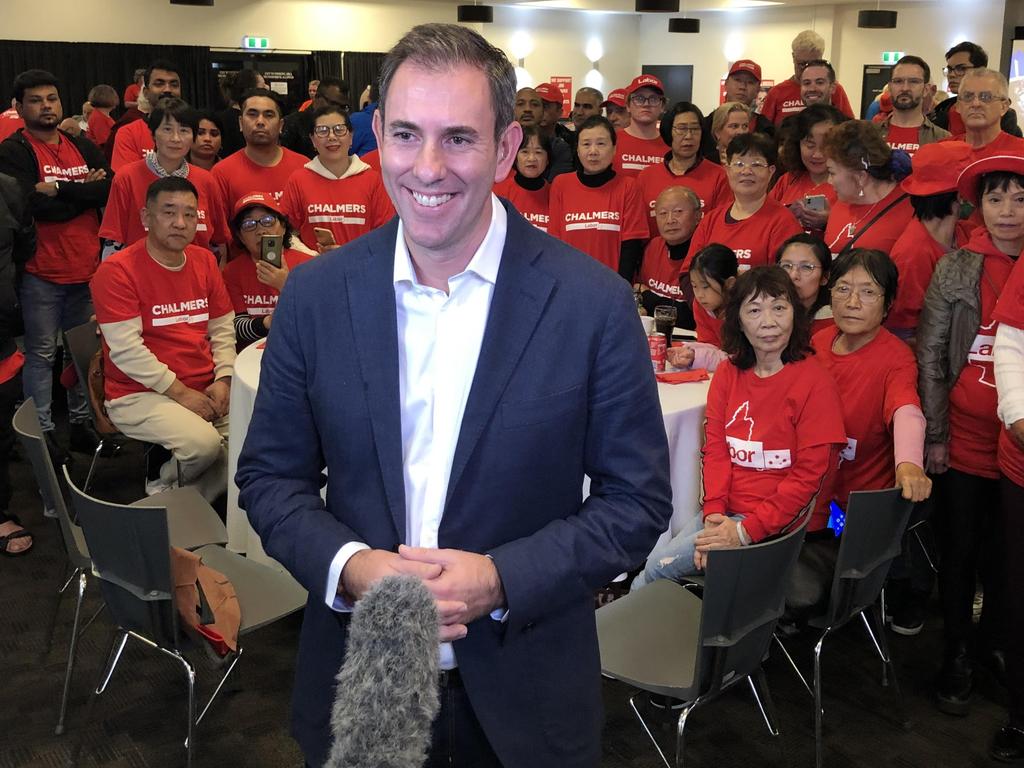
(712, 275)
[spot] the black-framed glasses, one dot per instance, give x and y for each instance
(265, 221)
(959, 69)
(641, 101)
(323, 131)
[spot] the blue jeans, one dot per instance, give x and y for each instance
(674, 558)
(49, 308)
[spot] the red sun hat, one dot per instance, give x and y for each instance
(645, 81)
(748, 66)
(262, 199)
(936, 168)
(616, 98)
(968, 183)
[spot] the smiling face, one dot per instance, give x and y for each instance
(812, 149)
(749, 175)
(532, 160)
(260, 121)
(332, 146)
(1003, 212)
(595, 149)
(858, 303)
(529, 109)
(439, 159)
(767, 322)
(815, 86)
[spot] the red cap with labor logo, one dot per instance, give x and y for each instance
(645, 81)
(936, 168)
(262, 199)
(550, 94)
(748, 66)
(969, 182)
(616, 98)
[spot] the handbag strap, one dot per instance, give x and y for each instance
(867, 226)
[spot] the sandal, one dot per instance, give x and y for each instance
(21, 534)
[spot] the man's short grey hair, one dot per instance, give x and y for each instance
(685, 192)
(591, 92)
(982, 72)
(442, 47)
(809, 40)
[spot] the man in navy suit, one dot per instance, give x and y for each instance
(458, 373)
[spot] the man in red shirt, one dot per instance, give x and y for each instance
(906, 127)
(615, 109)
(640, 144)
(981, 103)
(784, 99)
(677, 213)
(65, 180)
(169, 341)
(961, 59)
(130, 138)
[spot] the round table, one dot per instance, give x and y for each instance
(682, 407)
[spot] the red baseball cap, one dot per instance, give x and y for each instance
(746, 65)
(969, 181)
(262, 199)
(550, 94)
(936, 168)
(616, 98)
(645, 81)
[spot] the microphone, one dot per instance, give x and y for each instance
(387, 695)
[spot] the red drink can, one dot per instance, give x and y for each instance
(656, 341)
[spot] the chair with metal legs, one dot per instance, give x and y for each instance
(130, 549)
(666, 640)
(871, 539)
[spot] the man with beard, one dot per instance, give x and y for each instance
(906, 127)
(530, 109)
(262, 165)
(131, 139)
(65, 180)
(817, 83)
(640, 145)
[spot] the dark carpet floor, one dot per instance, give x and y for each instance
(140, 720)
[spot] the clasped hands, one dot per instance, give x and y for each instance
(211, 404)
(720, 532)
(465, 585)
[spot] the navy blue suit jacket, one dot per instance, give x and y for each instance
(563, 387)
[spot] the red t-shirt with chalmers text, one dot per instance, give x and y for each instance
(175, 307)
(706, 179)
(783, 100)
(907, 139)
(659, 273)
(754, 239)
(131, 143)
(248, 295)
(597, 220)
(534, 204)
(873, 382)
(67, 252)
(632, 155)
(845, 220)
(755, 432)
(123, 224)
(349, 207)
(236, 175)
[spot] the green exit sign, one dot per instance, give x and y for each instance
(891, 57)
(255, 43)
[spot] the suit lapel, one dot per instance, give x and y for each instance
(521, 293)
(375, 325)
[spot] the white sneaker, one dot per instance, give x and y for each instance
(156, 486)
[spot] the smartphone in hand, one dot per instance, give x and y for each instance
(324, 237)
(815, 203)
(270, 250)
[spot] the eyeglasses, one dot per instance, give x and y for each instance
(323, 131)
(866, 296)
(248, 225)
(803, 269)
(686, 130)
(757, 165)
(641, 101)
(959, 69)
(985, 97)
(899, 82)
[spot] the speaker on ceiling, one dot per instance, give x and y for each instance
(479, 14)
(192, 2)
(688, 26)
(657, 6)
(876, 19)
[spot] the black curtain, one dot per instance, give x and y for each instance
(361, 69)
(325, 64)
(80, 66)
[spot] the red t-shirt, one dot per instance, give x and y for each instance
(372, 159)
(248, 295)
(236, 175)
(846, 219)
(974, 426)
(709, 327)
(123, 224)
(131, 93)
(754, 239)
(66, 251)
(660, 274)
(915, 255)
(1003, 144)
(907, 139)
(349, 207)
(175, 307)
(793, 186)
(706, 179)
(873, 383)
(132, 142)
(1010, 310)
(534, 204)
(783, 100)
(99, 127)
(597, 220)
(632, 155)
(10, 122)
(755, 431)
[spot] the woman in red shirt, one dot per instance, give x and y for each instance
(955, 340)
(802, 154)
(871, 210)
(807, 261)
(207, 142)
(773, 429)
(525, 187)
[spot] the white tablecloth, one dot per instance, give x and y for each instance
(682, 406)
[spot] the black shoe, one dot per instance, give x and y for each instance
(995, 662)
(58, 455)
(1008, 745)
(955, 684)
(83, 438)
(908, 613)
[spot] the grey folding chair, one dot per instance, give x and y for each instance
(871, 539)
(666, 640)
(130, 549)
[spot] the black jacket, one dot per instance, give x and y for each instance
(17, 244)
(18, 159)
(940, 116)
(295, 133)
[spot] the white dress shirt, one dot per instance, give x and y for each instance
(439, 338)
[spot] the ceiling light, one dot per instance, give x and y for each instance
(480, 14)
